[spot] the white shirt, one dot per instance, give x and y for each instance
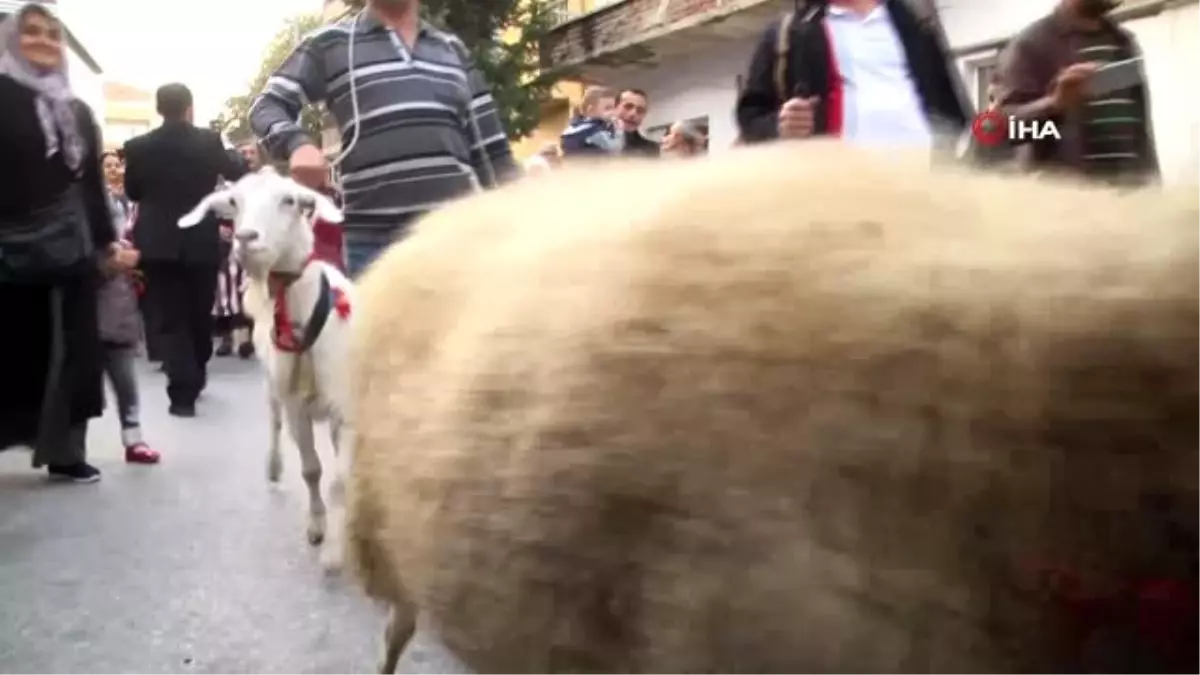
(880, 101)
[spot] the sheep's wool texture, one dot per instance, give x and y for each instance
(792, 409)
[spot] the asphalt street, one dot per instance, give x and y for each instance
(194, 565)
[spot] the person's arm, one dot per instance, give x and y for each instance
(491, 153)
(1022, 87)
(133, 176)
(231, 164)
(275, 114)
(758, 104)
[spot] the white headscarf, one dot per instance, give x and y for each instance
(54, 97)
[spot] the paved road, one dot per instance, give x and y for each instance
(195, 565)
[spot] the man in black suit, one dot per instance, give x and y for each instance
(167, 172)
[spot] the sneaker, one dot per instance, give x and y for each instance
(182, 409)
(81, 472)
(140, 453)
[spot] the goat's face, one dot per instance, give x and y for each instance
(272, 218)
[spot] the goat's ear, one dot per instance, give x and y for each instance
(322, 206)
(219, 202)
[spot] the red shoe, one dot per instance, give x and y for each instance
(140, 453)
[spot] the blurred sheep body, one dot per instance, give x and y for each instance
(793, 409)
(273, 240)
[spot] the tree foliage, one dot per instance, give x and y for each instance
(504, 37)
(234, 119)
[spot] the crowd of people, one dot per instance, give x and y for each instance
(93, 264)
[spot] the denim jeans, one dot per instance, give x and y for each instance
(361, 251)
(360, 254)
(119, 366)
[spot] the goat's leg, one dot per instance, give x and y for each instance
(402, 623)
(300, 423)
(274, 458)
(337, 489)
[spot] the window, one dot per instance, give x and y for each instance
(984, 71)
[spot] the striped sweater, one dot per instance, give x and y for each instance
(426, 119)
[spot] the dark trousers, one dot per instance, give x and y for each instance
(152, 327)
(182, 297)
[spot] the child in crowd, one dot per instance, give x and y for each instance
(593, 132)
(120, 327)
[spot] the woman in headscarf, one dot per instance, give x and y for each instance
(56, 234)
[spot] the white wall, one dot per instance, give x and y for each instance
(971, 22)
(1171, 42)
(88, 86)
(705, 84)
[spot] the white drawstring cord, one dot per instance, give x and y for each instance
(355, 122)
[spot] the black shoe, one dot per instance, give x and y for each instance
(81, 472)
(246, 350)
(224, 349)
(182, 409)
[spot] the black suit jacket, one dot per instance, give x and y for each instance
(167, 172)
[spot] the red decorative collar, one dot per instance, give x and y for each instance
(283, 332)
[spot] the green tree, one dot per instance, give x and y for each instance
(234, 119)
(512, 66)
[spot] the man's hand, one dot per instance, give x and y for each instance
(1069, 87)
(796, 117)
(308, 166)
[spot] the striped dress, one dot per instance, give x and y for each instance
(231, 281)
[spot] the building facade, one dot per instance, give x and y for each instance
(128, 112)
(87, 79)
(690, 56)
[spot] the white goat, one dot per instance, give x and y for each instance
(300, 308)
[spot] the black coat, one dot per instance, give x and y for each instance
(167, 172)
(28, 179)
(637, 145)
(932, 66)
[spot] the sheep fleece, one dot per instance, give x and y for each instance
(793, 409)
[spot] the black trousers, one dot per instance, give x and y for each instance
(182, 298)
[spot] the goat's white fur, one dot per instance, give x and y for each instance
(273, 233)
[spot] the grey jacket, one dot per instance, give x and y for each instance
(117, 303)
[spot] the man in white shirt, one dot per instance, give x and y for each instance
(875, 72)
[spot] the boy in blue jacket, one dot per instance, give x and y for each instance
(592, 131)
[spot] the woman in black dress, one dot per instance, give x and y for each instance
(50, 353)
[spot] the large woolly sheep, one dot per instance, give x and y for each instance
(300, 306)
(793, 409)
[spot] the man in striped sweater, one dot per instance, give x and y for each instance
(416, 117)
